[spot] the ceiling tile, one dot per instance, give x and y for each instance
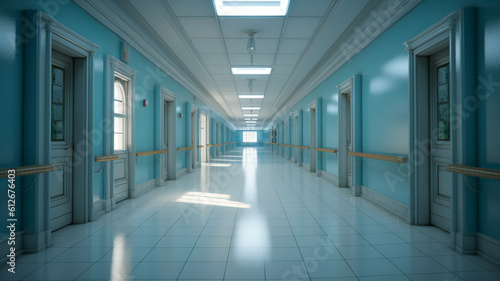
(262, 46)
(200, 27)
(304, 8)
(223, 77)
(216, 69)
(209, 46)
(237, 27)
(244, 59)
(215, 59)
(301, 27)
(195, 8)
(287, 59)
(292, 46)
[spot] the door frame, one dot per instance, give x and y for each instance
(169, 97)
(296, 137)
(204, 150)
(457, 32)
(116, 66)
(312, 137)
(350, 86)
(194, 136)
(50, 34)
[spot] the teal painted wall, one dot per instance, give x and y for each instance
(383, 66)
(11, 71)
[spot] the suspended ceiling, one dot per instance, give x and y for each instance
(197, 48)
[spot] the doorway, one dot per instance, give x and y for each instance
(312, 138)
(204, 137)
(121, 140)
(345, 140)
(194, 137)
(168, 127)
(296, 137)
(440, 184)
(61, 145)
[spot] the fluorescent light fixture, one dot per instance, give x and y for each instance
(251, 70)
(251, 7)
(250, 108)
(250, 115)
(251, 122)
(251, 96)
(250, 119)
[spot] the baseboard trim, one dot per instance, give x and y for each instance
(329, 177)
(98, 209)
(5, 247)
(386, 203)
(143, 188)
(305, 166)
(181, 172)
(488, 248)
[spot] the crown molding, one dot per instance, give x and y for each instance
(161, 56)
(341, 52)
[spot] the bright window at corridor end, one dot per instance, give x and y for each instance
(249, 136)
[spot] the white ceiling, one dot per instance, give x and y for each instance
(205, 46)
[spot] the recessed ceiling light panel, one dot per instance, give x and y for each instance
(250, 108)
(249, 70)
(251, 8)
(251, 96)
(250, 115)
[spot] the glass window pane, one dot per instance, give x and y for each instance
(119, 91)
(119, 122)
(119, 109)
(58, 105)
(249, 136)
(119, 142)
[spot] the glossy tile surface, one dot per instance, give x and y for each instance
(258, 217)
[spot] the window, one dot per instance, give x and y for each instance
(249, 136)
(120, 114)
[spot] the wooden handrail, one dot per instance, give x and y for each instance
(474, 171)
(105, 158)
(184, 148)
(210, 145)
(325, 150)
(200, 146)
(153, 152)
(396, 159)
(27, 170)
(302, 147)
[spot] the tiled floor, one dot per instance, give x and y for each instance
(250, 216)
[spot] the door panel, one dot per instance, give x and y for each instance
(440, 150)
(165, 140)
(120, 177)
(61, 152)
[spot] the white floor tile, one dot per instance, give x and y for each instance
(266, 220)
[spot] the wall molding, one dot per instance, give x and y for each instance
(5, 247)
(386, 203)
(181, 172)
(143, 188)
(488, 248)
(329, 177)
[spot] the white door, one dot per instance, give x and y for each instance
(61, 148)
(349, 138)
(203, 137)
(312, 141)
(193, 140)
(120, 166)
(165, 139)
(440, 149)
(296, 142)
